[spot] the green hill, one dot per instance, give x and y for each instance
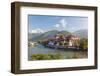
(46, 35)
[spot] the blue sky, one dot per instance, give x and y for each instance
(43, 23)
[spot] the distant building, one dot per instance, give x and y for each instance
(70, 39)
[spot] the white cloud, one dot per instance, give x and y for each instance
(57, 25)
(61, 24)
(38, 30)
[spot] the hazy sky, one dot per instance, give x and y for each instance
(41, 23)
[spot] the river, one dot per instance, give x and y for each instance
(67, 54)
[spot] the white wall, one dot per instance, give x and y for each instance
(5, 33)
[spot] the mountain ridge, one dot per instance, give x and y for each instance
(50, 34)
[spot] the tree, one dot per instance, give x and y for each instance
(61, 43)
(77, 43)
(61, 36)
(83, 44)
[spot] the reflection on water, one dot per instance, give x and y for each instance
(67, 54)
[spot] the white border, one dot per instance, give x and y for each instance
(25, 64)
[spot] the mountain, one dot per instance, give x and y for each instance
(33, 35)
(46, 35)
(81, 33)
(51, 34)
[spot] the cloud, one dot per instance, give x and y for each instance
(38, 30)
(57, 25)
(61, 24)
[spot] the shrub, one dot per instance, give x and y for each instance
(83, 44)
(45, 56)
(56, 56)
(76, 55)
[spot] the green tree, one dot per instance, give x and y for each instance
(61, 36)
(77, 43)
(83, 44)
(61, 43)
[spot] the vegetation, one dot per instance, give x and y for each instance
(52, 56)
(76, 55)
(61, 36)
(46, 56)
(61, 43)
(77, 44)
(83, 44)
